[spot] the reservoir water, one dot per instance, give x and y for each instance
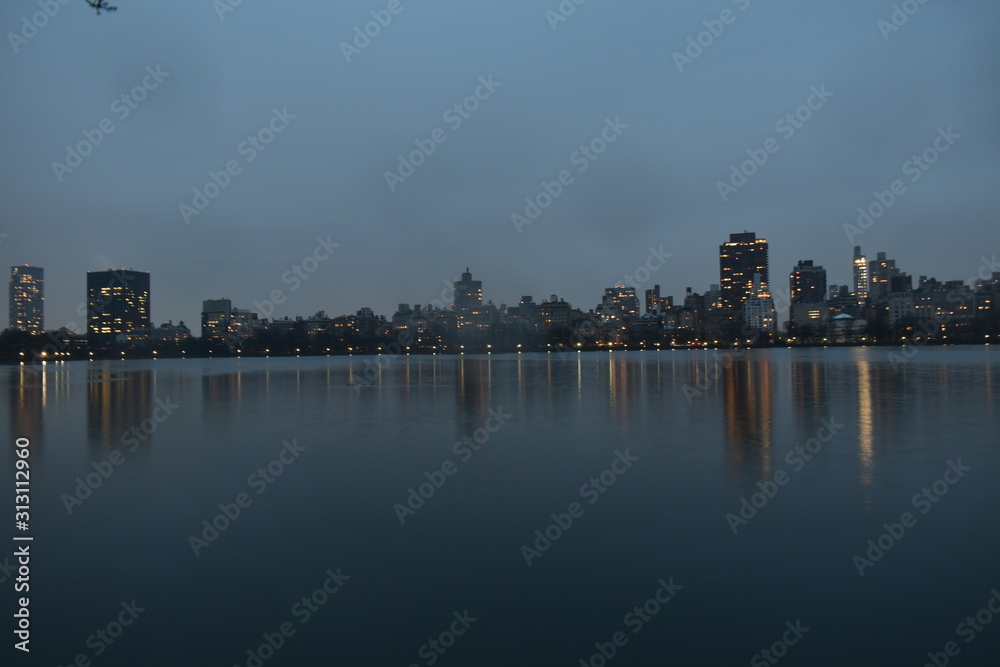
(828, 506)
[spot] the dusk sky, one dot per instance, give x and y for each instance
(324, 173)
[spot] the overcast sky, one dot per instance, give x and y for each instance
(324, 173)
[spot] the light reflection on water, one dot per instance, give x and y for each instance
(706, 436)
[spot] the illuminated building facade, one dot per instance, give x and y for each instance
(807, 283)
(117, 303)
(739, 259)
(27, 298)
(860, 275)
(221, 323)
(620, 304)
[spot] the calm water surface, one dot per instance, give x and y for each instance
(699, 439)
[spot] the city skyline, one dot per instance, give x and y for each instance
(464, 291)
(886, 100)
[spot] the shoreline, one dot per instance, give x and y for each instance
(148, 355)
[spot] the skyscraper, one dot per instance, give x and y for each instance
(221, 323)
(472, 317)
(117, 303)
(656, 304)
(758, 308)
(880, 273)
(619, 303)
(807, 283)
(860, 275)
(27, 298)
(653, 300)
(468, 292)
(739, 260)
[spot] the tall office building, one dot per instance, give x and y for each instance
(758, 308)
(881, 271)
(741, 258)
(807, 283)
(221, 323)
(653, 300)
(117, 303)
(619, 303)
(656, 304)
(472, 317)
(468, 292)
(27, 298)
(860, 275)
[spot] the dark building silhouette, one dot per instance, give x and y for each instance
(223, 324)
(468, 292)
(117, 303)
(807, 283)
(880, 274)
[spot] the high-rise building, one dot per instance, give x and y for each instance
(472, 317)
(27, 298)
(860, 275)
(758, 308)
(620, 303)
(555, 314)
(468, 292)
(807, 283)
(223, 324)
(880, 274)
(117, 303)
(739, 259)
(656, 304)
(653, 300)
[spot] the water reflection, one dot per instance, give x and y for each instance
(748, 413)
(751, 409)
(117, 400)
(28, 396)
(865, 419)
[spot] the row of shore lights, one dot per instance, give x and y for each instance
(461, 347)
